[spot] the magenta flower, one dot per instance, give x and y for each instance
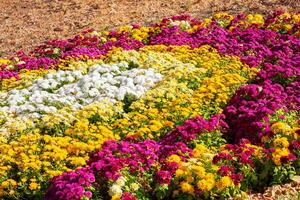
(128, 196)
(163, 177)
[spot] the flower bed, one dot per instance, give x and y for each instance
(183, 109)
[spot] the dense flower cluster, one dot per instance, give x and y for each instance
(182, 109)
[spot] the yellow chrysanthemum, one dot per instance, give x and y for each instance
(186, 187)
(224, 182)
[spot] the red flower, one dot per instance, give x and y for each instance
(295, 144)
(163, 177)
(290, 157)
(225, 170)
(220, 156)
(128, 196)
(237, 178)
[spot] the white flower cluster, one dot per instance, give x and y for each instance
(184, 25)
(116, 189)
(77, 89)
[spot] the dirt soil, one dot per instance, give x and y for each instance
(27, 23)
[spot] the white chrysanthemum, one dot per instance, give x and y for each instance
(121, 181)
(45, 84)
(134, 186)
(93, 92)
(79, 88)
(115, 190)
(184, 25)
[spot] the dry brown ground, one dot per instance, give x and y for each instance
(27, 23)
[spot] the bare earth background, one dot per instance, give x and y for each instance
(27, 23)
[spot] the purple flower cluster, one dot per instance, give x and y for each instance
(278, 54)
(81, 47)
(71, 185)
(128, 196)
(123, 42)
(249, 109)
(163, 177)
(7, 73)
(30, 64)
(38, 63)
(189, 129)
(137, 157)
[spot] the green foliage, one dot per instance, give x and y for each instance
(127, 101)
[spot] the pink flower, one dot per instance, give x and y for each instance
(288, 158)
(163, 177)
(237, 178)
(128, 196)
(88, 194)
(225, 170)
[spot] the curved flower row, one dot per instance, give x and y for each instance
(239, 30)
(77, 89)
(199, 167)
(63, 139)
(133, 98)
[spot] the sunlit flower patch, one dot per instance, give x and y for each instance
(182, 109)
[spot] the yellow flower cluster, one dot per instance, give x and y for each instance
(4, 61)
(46, 151)
(285, 22)
(255, 19)
(223, 19)
(281, 142)
(9, 185)
(224, 182)
(26, 79)
(284, 130)
(281, 149)
(286, 127)
(281, 128)
(195, 81)
(140, 34)
(199, 172)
